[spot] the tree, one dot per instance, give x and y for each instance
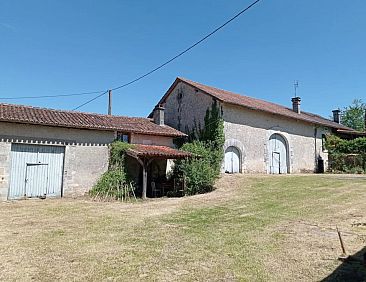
(354, 115)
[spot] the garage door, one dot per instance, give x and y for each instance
(232, 161)
(36, 171)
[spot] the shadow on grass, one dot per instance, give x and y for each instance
(352, 269)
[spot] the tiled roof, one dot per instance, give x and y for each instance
(255, 104)
(139, 150)
(73, 119)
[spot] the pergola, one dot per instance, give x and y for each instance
(145, 154)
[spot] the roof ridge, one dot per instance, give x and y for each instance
(233, 93)
(236, 99)
(69, 111)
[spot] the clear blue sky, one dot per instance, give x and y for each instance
(59, 47)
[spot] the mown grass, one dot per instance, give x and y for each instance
(209, 237)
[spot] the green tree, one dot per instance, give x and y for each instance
(354, 115)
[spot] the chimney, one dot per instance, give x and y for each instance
(296, 104)
(158, 114)
(337, 116)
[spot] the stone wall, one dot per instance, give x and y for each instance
(186, 107)
(248, 130)
(5, 148)
(86, 152)
(252, 130)
(151, 140)
(84, 165)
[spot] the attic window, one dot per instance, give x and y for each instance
(180, 95)
(124, 137)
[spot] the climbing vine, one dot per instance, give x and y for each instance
(206, 143)
(115, 184)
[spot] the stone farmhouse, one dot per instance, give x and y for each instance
(260, 136)
(52, 153)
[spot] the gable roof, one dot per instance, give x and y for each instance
(80, 120)
(254, 104)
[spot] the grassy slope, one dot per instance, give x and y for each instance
(246, 230)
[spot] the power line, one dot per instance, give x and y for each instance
(50, 96)
(176, 56)
(91, 100)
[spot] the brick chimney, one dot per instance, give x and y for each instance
(337, 115)
(158, 115)
(296, 104)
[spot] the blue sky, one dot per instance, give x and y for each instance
(70, 46)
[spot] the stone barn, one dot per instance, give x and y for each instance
(260, 136)
(52, 153)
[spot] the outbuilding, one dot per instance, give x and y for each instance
(53, 153)
(260, 136)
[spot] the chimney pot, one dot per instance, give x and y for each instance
(158, 115)
(296, 104)
(337, 116)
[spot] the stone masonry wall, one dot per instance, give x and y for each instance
(186, 106)
(4, 169)
(86, 152)
(253, 130)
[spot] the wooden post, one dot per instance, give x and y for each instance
(109, 102)
(344, 254)
(144, 179)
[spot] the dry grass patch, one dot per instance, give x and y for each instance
(251, 228)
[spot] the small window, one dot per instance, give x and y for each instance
(324, 140)
(124, 137)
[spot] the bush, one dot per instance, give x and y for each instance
(336, 145)
(347, 155)
(201, 171)
(348, 163)
(115, 184)
(206, 144)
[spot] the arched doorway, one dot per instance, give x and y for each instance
(232, 160)
(278, 154)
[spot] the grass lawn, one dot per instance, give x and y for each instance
(252, 228)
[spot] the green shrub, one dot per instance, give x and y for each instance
(335, 144)
(200, 171)
(115, 184)
(206, 144)
(347, 156)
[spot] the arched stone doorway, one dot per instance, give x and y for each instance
(232, 160)
(278, 154)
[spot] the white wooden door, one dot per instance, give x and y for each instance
(36, 179)
(232, 161)
(278, 155)
(36, 171)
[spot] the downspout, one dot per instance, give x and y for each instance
(315, 149)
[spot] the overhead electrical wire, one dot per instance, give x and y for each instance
(176, 56)
(102, 92)
(51, 96)
(91, 100)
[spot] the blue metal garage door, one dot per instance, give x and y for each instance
(36, 171)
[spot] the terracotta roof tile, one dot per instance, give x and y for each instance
(139, 150)
(255, 104)
(72, 119)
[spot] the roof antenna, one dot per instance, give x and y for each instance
(296, 85)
